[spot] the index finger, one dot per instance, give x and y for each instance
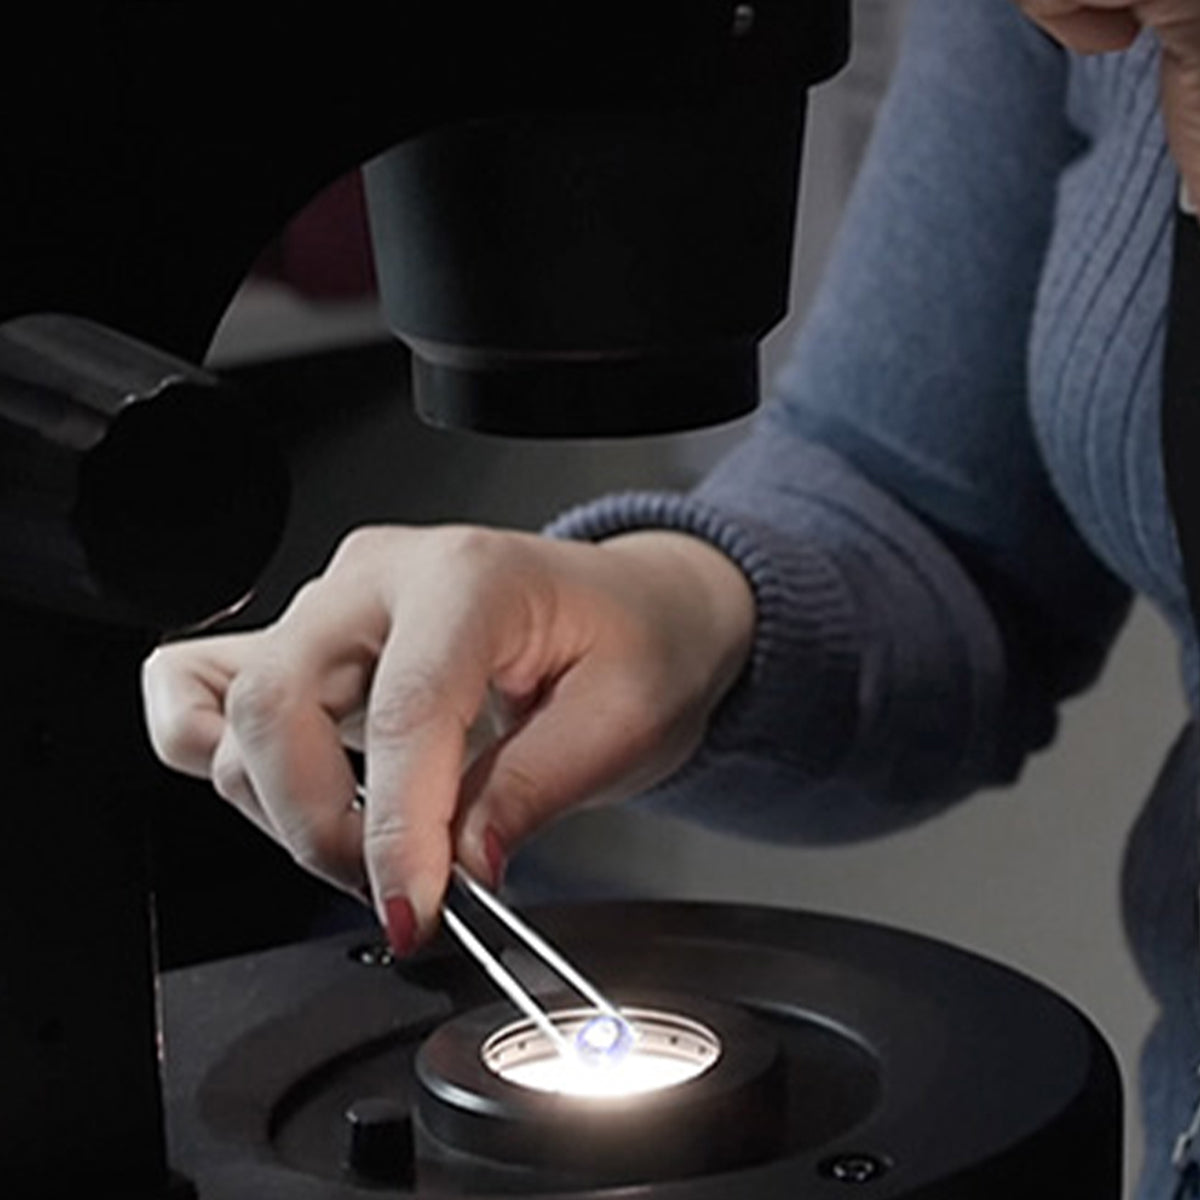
(428, 689)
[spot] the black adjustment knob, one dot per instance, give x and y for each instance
(379, 1140)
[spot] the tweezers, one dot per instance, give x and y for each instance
(501, 976)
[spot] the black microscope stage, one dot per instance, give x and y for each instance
(856, 1059)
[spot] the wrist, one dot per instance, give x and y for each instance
(701, 579)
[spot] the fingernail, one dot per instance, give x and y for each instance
(401, 925)
(497, 859)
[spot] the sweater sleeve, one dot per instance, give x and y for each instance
(923, 601)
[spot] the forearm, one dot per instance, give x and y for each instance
(923, 601)
(876, 670)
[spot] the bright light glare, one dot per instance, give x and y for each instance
(666, 1050)
(637, 1073)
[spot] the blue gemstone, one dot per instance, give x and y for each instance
(604, 1040)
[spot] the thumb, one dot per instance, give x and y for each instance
(590, 741)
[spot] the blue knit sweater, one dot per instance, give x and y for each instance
(956, 487)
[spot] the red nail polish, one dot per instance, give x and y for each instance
(493, 850)
(401, 925)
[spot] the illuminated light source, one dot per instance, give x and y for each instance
(694, 1086)
(648, 1051)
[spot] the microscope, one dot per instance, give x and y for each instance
(582, 218)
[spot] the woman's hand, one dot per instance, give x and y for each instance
(1103, 25)
(608, 660)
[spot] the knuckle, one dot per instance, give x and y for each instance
(159, 665)
(460, 559)
(255, 701)
(169, 726)
(366, 553)
(385, 832)
(307, 594)
(473, 555)
(359, 545)
(469, 541)
(412, 699)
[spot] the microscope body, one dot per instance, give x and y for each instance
(572, 206)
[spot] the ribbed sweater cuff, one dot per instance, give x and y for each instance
(797, 698)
